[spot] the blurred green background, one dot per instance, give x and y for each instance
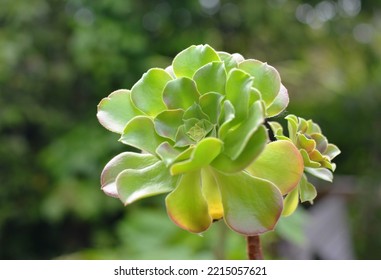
(59, 58)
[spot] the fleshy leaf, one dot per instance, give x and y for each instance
(305, 143)
(140, 133)
(211, 78)
(182, 138)
(226, 118)
(321, 173)
(291, 202)
(167, 123)
(254, 147)
(276, 128)
(279, 104)
(180, 93)
(187, 206)
(203, 154)
(281, 164)
(167, 153)
(238, 88)
(211, 104)
(134, 184)
(251, 205)
(292, 125)
(306, 190)
(231, 60)
(212, 194)
(307, 161)
(321, 142)
(266, 78)
(236, 139)
(196, 112)
(332, 151)
(116, 110)
(126, 160)
(187, 62)
(147, 93)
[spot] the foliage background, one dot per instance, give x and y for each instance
(58, 59)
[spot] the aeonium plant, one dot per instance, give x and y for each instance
(200, 128)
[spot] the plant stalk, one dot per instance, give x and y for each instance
(254, 248)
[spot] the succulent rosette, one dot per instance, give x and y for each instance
(199, 125)
(317, 156)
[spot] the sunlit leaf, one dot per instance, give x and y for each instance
(252, 150)
(211, 104)
(332, 151)
(116, 110)
(134, 184)
(187, 62)
(281, 164)
(236, 139)
(251, 205)
(279, 104)
(238, 88)
(212, 194)
(306, 190)
(187, 206)
(167, 153)
(180, 93)
(204, 153)
(305, 143)
(211, 78)
(307, 161)
(167, 123)
(266, 78)
(140, 133)
(231, 60)
(126, 160)
(147, 93)
(291, 202)
(321, 173)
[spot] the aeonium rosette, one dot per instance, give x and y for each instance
(200, 126)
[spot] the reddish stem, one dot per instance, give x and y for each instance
(254, 249)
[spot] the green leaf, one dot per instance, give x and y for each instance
(305, 143)
(307, 161)
(252, 150)
(307, 190)
(279, 104)
(212, 194)
(116, 110)
(195, 112)
(187, 62)
(167, 153)
(292, 125)
(238, 90)
(134, 184)
(291, 202)
(276, 128)
(236, 139)
(211, 78)
(126, 160)
(251, 205)
(168, 122)
(281, 164)
(226, 118)
(210, 103)
(321, 142)
(332, 151)
(180, 93)
(266, 78)
(204, 153)
(140, 133)
(182, 138)
(187, 206)
(321, 173)
(231, 60)
(147, 93)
